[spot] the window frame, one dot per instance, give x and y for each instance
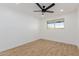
(54, 22)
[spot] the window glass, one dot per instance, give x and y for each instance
(51, 25)
(58, 23)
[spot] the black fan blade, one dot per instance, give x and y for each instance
(37, 11)
(39, 5)
(50, 11)
(50, 6)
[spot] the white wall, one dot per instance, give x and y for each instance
(16, 28)
(78, 26)
(67, 35)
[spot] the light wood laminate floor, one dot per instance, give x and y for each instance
(43, 47)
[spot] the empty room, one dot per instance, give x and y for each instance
(39, 29)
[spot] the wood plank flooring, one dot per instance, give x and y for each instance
(43, 48)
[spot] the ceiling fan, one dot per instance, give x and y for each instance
(44, 8)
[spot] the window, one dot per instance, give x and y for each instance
(58, 23)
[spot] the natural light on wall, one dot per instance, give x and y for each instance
(57, 23)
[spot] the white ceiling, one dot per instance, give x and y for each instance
(28, 8)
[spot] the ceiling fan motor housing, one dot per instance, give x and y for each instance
(43, 10)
